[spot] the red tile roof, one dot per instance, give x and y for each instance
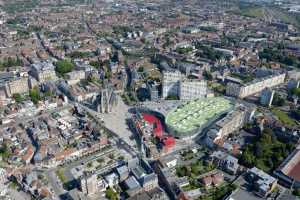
(217, 179)
(207, 181)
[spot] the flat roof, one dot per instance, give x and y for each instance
(295, 172)
(242, 194)
(197, 113)
(291, 166)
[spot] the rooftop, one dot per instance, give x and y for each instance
(197, 113)
(242, 194)
(291, 166)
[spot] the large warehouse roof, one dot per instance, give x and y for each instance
(197, 113)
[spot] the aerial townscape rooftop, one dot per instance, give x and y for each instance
(149, 99)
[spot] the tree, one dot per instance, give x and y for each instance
(183, 171)
(111, 194)
(111, 156)
(258, 150)
(18, 98)
(95, 64)
(34, 95)
(79, 54)
(100, 160)
(268, 131)
(172, 97)
(4, 151)
(296, 91)
(266, 152)
(296, 114)
(90, 164)
(278, 100)
(121, 157)
(278, 55)
(184, 50)
(141, 69)
(63, 67)
(247, 158)
(296, 192)
(10, 62)
(208, 52)
(48, 93)
(207, 75)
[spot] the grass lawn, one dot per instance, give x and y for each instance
(217, 87)
(252, 12)
(219, 192)
(283, 117)
(192, 186)
(61, 175)
(195, 169)
(242, 77)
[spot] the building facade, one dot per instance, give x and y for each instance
(19, 85)
(266, 97)
(152, 88)
(75, 76)
(262, 182)
(244, 90)
(191, 89)
(171, 83)
(174, 84)
(230, 123)
(89, 184)
(107, 100)
(43, 71)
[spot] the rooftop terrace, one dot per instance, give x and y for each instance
(195, 114)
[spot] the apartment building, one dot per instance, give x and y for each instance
(75, 76)
(152, 87)
(43, 71)
(89, 184)
(244, 90)
(174, 84)
(191, 89)
(230, 123)
(18, 85)
(262, 182)
(171, 83)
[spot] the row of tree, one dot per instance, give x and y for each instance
(10, 62)
(277, 55)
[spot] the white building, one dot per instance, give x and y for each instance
(174, 84)
(112, 179)
(233, 121)
(18, 85)
(89, 184)
(171, 83)
(75, 76)
(191, 89)
(244, 90)
(43, 71)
